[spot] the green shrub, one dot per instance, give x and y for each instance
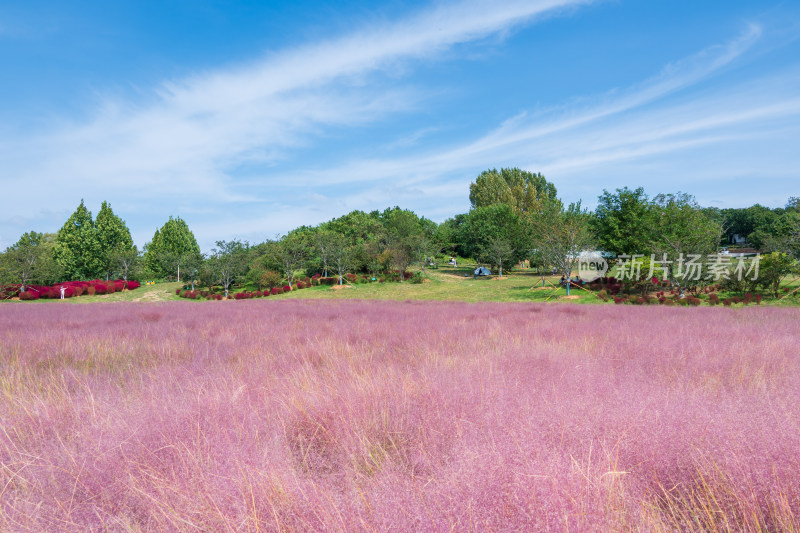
(270, 279)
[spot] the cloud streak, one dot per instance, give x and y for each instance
(189, 137)
(230, 137)
(647, 120)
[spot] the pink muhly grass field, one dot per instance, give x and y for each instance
(382, 416)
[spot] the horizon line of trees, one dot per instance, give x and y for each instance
(515, 216)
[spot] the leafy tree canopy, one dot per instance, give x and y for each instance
(30, 260)
(357, 226)
(172, 244)
(681, 226)
(623, 221)
(484, 226)
(114, 237)
(77, 248)
(525, 192)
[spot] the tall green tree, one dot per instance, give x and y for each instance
(527, 193)
(786, 235)
(772, 269)
(357, 226)
(682, 227)
(287, 254)
(30, 260)
(173, 246)
(404, 229)
(229, 261)
(125, 262)
(324, 242)
(623, 222)
(77, 248)
(499, 251)
(484, 226)
(114, 238)
(341, 255)
(561, 235)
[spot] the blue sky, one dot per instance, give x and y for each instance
(247, 119)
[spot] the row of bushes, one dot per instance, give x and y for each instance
(244, 295)
(613, 286)
(301, 283)
(71, 289)
(690, 300)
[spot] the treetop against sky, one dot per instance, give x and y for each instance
(250, 119)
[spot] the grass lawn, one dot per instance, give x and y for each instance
(443, 284)
(449, 284)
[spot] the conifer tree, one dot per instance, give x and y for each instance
(173, 246)
(77, 247)
(114, 237)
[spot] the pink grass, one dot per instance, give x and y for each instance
(379, 416)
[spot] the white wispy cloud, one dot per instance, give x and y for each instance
(514, 137)
(637, 124)
(180, 149)
(188, 137)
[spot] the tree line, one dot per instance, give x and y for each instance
(515, 216)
